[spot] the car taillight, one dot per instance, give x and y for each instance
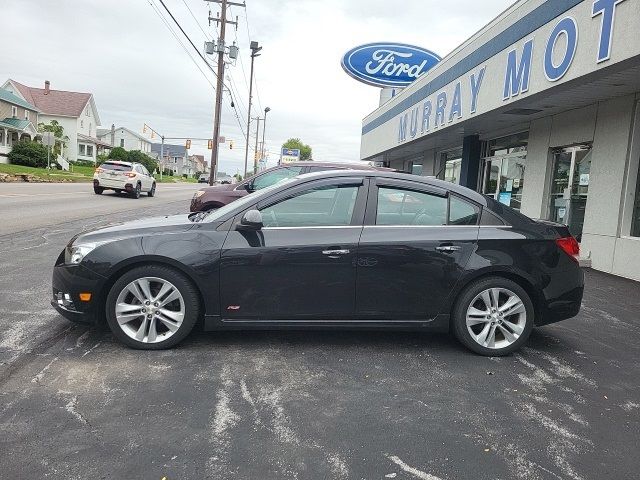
(130, 174)
(570, 246)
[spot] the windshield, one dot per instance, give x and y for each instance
(215, 215)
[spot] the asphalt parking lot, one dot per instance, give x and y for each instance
(306, 405)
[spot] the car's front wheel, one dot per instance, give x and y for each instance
(152, 192)
(152, 307)
(98, 190)
(493, 316)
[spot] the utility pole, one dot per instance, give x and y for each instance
(255, 157)
(220, 48)
(254, 53)
(264, 127)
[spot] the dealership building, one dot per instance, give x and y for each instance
(540, 110)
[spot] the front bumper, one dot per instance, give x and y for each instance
(67, 282)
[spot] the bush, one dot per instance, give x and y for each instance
(84, 163)
(29, 154)
(101, 158)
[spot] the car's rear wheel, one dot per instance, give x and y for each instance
(152, 192)
(136, 191)
(493, 316)
(98, 190)
(152, 307)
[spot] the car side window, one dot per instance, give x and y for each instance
(462, 212)
(318, 207)
(275, 176)
(399, 206)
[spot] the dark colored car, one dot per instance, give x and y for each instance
(341, 249)
(211, 198)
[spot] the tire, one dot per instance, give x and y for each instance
(164, 327)
(118, 191)
(98, 190)
(512, 322)
(152, 192)
(136, 191)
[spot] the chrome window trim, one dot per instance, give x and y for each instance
(312, 227)
(438, 226)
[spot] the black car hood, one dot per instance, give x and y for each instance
(166, 224)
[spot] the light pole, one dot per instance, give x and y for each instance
(264, 127)
(254, 53)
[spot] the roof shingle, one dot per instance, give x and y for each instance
(56, 102)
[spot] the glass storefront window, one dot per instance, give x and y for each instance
(504, 167)
(451, 166)
(570, 186)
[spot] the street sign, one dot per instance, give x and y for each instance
(288, 155)
(48, 139)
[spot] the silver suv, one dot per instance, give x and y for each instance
(132, 178)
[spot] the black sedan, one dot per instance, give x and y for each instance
(352, 249)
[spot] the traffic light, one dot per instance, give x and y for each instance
(188, 144)
(255, 156)
(230, 144)
(210, 144)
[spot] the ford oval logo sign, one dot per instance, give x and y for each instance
(388, 64)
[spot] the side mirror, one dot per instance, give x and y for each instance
(248, 187)
(251, 220)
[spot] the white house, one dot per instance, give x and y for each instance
(125, 138)
(76, 112)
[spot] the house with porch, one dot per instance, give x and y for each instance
(76, 112)
(17, 122)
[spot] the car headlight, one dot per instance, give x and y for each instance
(74, 254)
(198, 194)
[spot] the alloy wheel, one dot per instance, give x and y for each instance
(496, 318)
(150, 309)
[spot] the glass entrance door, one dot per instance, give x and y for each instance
(504, 178)
(570, 186)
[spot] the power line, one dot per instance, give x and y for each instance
(164, 20)
(255, 82)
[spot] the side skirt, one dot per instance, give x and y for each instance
(438, 324)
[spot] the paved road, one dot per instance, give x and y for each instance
(25, 206)
(309, 405)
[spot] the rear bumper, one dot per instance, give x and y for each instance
(67, 282)
(112, 184)
(563, 297)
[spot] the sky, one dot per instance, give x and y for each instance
(123, 53)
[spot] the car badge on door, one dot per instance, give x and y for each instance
(233, 307)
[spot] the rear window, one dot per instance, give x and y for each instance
(117, 167)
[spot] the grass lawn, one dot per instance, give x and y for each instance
(80, 174)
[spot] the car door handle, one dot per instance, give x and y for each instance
(335, 253)
(448, 248)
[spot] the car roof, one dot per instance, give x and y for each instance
(120, 162)
(346, 165)
(429, 181)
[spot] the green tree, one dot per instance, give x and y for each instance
(119, 153)
(139, 157)
(305, 150)
(29, 154)
(58, 133)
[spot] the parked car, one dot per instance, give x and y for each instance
(211, 198)
(340, 249)
(203, 178)
(132, 178)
